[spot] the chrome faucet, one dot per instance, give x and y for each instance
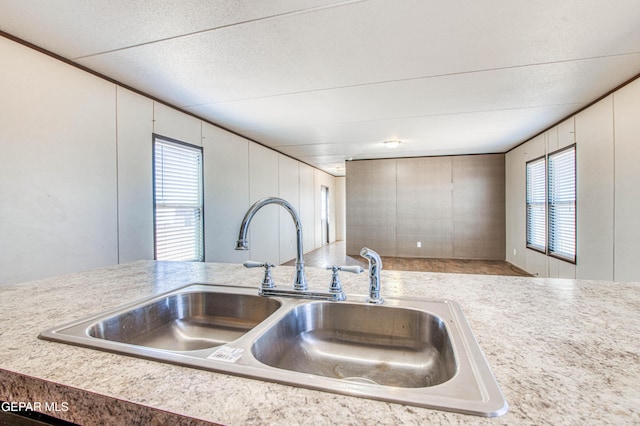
(300, 281)
(375, 265)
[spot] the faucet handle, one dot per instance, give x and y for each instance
(336, 285)
(353, 269)
(267, 281)
(254, 264)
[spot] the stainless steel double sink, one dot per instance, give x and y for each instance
(409, 351)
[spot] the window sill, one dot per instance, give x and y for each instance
(563, 258)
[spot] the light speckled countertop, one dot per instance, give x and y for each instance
(562, 351)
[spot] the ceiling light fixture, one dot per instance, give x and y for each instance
(392, 143)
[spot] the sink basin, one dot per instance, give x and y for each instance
(186, 321)
(409, 351)
(362, 343)
(191, 318)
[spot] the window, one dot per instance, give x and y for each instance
(536, 205)
(562, 204)
(551, 204)
(178, 200)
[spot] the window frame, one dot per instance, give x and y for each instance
(167, 140)
(557, 255)
(537, 248)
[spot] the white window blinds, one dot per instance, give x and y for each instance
(562, 204)
(536, 204)
(178, 201)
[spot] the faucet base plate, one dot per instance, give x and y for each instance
(314, 294)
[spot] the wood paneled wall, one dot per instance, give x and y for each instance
(453, 206)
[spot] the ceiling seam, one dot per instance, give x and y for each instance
(223, 27)
(403, 80)
(410, 117)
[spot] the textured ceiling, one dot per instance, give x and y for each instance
(327, 80)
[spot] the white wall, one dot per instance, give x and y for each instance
(594, 171)
(288, 189)
(58, 197)
(515, 196)
(135, 201)
(76, 175)
(172, 124)
(308, 206)
(607, 138)
(626, 104)
(341, 208)
(323, 179)
(226, 187)
(263, 182)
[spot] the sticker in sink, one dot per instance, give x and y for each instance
(226, 354)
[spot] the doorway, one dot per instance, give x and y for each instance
(324, 214)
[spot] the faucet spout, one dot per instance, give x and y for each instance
(375, 265)
(300, 281)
